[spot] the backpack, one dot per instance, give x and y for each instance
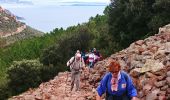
(75, 67)
(70, 63)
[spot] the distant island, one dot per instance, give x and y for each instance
(84, 4)
(6, 1)
(16, 1)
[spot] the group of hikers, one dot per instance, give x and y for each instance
(116, 83)
(91, 57)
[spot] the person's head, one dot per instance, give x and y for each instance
(78, 51)
(114, 68)
(94, 49)
(78, 56)
(90, 51)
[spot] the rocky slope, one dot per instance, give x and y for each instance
(10, 27)
(147, 61)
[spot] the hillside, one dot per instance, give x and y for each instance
(12, 30)
(147, 61)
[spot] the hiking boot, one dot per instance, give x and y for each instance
(77, 89)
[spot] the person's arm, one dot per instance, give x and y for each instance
(70, 61)
(134, 98)
(82, 64)
(98, 97)
(132, 92)
(101, 89)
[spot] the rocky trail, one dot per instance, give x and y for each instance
(59, 89)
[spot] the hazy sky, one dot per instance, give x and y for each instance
(67, 0)
(52, 1)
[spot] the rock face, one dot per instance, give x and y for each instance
(12, 30)
(8, 24)
(147, 61)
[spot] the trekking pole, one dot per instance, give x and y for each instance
(85, 75)
(66, 81)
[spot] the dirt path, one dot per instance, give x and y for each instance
(59, 89)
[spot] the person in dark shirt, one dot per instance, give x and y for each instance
(97, 54)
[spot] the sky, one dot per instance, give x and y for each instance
(67, 0)
(52, 1)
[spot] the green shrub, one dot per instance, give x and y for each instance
(4, 92)
(23, 75)
(27, 74)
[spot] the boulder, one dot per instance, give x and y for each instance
(168, 74)
(153, 95)
(160, 83)
(168, 80)
(139, 42)
(150, 65)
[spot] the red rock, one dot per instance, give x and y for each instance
(151, 96)
(140, 94)
(162, 93)
(140, 82)
(134, 73)
(164, 88)
(160, 83)
(139, 42)
(38, 97)
(162, 97)
(140, 49)
(167, 97)
(151, 81)
(153, 49)
(161, 77)
(147, 87)
(150, 75)
(168, 80)
(28, 97)
(168, 68)
(168, 90)
(168, 74)
(160, 72)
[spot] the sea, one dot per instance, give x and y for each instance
(48, 17)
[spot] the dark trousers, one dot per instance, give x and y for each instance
(111, 97)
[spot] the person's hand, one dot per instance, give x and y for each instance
(81, 70)
(97, 96)
(134, 98)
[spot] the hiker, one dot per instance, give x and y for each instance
(91, 59)
(76, 63)
(84, 56)
(117, 84)
(97, 54)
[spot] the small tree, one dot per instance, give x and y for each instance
(23, 75)
(58, 54)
